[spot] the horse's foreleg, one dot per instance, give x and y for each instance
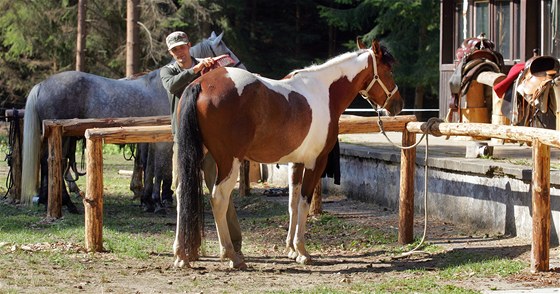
(299, 239)
(220, 202)
(310, 180)
(295, 176)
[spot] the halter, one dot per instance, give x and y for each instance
(229, 53)
(389, 94)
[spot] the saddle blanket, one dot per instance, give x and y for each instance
(501, 87)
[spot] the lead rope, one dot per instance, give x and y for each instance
(425, 134)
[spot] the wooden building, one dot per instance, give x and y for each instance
(516, 27)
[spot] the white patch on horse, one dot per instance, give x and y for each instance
(314, 83)
(243, 78)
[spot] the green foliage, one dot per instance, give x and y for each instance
(272, 38)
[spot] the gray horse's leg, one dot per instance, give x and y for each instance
(163, 172)
(147, 202)
(136, 181)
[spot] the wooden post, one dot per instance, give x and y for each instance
(93, 202)
(16, 118)
(316, 207)
(541, 207)
(406, 201)
(54, 206)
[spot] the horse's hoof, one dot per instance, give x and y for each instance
(240, 266)
(292, 254)
(168, 203)
(180, 263)
(302, 259)
(147, 207)
(159, 209)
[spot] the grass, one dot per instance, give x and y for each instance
(133, 236)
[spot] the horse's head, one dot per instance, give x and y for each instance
(219, 47)
(382, 89)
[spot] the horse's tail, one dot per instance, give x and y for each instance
(190, 212)
(31, 148)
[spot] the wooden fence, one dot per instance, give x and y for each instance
(541, 139)
(93, 202)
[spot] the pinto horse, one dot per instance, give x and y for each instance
(237, 115)
(73, 94)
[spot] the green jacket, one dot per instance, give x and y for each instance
(175, 80)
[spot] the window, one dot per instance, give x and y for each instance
(481, 19)
(503, 38)
(462, 17)
(551, 36)
(499, 20)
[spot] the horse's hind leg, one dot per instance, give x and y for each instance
(209, 168)
(295, 177)
(220, 202)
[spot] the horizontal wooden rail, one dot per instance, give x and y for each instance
(352, 124)
(526, 134)
(77, 127)
(121, 135)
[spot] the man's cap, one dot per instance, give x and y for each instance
(176, 39)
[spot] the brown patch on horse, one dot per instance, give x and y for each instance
(269, 128)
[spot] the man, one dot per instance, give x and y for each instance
(175, 77)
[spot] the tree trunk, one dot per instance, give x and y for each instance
(132, 15)
(81, 38)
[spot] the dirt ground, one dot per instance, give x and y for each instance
(269, 269)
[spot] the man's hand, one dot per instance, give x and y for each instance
(204, 63)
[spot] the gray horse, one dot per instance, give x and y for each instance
(81, 95)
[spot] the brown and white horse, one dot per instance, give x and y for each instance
(237, 115)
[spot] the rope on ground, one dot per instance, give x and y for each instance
(425, 135)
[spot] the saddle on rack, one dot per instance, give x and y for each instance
(475, 55)
(532, 80)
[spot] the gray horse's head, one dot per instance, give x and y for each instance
(214, 46)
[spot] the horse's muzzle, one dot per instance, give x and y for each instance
(394, 104)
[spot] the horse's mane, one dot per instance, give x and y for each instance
(386, 58)
(136, 75)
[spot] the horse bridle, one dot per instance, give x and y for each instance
(215, 55)
(389, 94)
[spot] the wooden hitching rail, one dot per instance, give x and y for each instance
(93, 202)
(541, 140)
(54, 130)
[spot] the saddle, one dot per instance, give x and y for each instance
(475, 55)
(532, 80)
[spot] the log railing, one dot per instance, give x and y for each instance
(54, 130)
(541, 139)
(93, 202)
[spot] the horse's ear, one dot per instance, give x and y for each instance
(360, 43)
(219, 37)
(212, 35)
(376, 47)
